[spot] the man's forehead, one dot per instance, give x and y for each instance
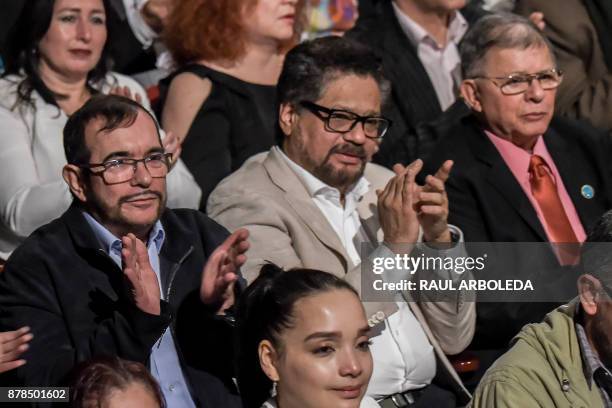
(514, 60)
(352, 92)
(131, 130)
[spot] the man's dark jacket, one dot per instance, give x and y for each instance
(413, 97)
(489, 205)
(62, 284)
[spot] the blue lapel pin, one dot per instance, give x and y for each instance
(587, 191)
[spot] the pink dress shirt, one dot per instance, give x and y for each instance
(517, 159)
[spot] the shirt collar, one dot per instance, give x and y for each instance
(110, 243)
(416, 34)
(315, 187)
(590, 361)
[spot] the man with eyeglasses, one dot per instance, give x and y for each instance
(119, 274)
(520, 174)
(566, 360)
(315, 199)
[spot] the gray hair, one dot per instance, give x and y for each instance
(501, 30)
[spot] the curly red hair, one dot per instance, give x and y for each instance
(213, 30)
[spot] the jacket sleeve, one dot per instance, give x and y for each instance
(503, 393)
(28, 297)
(268, 235)
(453, 320)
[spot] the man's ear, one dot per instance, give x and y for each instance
(268, 359)
(589, 290)
(287, 117)
(75, 178)
(470, 94)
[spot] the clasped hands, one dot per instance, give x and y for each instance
(219, 275)
(404, 206)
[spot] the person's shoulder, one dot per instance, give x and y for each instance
(45, 245)
(377, 175)
(250, 177)
(580, 132)
(8, 90)
(185, 222)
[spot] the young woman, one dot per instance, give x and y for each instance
(303, 341)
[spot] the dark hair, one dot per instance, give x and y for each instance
(116, 111)
(311, 65)
(22, 56)
(596, 254)
(264, 311)
(501, 30)
(95, 380)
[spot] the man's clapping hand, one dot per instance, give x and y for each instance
(221, 271)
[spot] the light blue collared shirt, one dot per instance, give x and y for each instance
(165, 365)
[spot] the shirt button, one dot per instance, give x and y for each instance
(380, 315)
(171, 387)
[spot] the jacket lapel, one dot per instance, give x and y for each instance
(573, 180)
(298, 198)
(497, 173)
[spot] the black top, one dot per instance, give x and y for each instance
(236, 121)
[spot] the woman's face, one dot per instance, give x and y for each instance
(76, 36)
(325, 360)
(271, 20)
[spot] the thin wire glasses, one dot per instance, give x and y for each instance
(121, 170)
(518, 83)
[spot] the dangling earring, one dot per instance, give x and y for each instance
(273, 391)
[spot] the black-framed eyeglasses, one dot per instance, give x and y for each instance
(518, 83)
(121, 170)
(343, 121)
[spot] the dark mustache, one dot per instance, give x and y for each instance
(141, 194)
(353, 150)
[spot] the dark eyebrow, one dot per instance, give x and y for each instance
(364, 331)
(323, 335)
(123, 155)
(78, 10)
(345, 109)
(115, 155)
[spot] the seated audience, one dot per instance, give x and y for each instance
(519, 175)
(581, 33)
(220, 102)
(119, 274)
(418, 42)
(565, 360)
(312, 202)
(12, 346)
(304, 334)
(56, 62)
(115, 383)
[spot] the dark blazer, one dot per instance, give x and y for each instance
(489, 205)
(413, 98)
(61, 283)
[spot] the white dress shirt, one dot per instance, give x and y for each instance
(442, 63)
(403, 357)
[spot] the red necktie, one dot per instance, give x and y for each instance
(545, 192)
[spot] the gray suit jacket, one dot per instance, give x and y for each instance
(287, 228)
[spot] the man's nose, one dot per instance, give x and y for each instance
(142, 176)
